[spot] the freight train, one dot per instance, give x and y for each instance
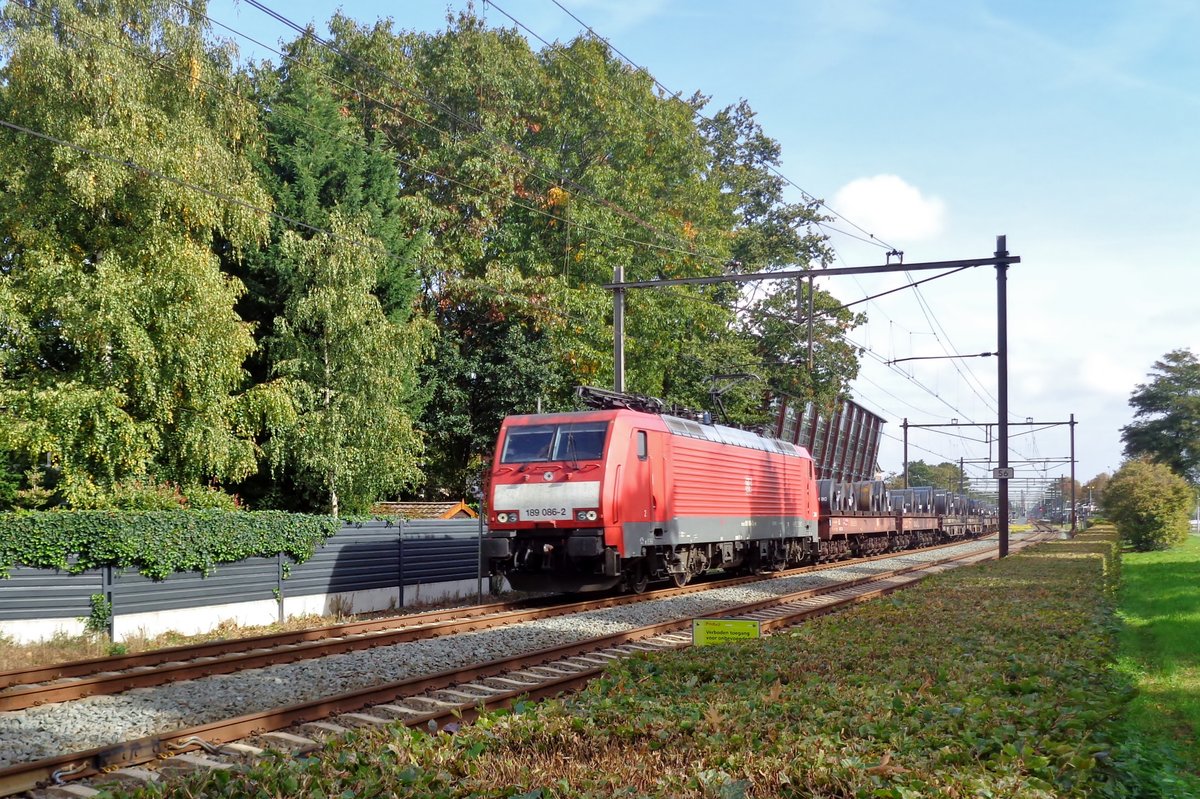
(626, 493)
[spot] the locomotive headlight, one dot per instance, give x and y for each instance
(591, 515)
(586, 515)
(503, 517)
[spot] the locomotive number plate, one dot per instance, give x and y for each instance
(547, 513)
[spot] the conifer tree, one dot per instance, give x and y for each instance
(332, 299)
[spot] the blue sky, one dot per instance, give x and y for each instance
(1068, 126)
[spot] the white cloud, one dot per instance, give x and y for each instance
(1105, 374)
(890, 208)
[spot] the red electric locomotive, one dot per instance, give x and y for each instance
(625, 494)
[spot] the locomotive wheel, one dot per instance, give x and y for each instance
(640, 579)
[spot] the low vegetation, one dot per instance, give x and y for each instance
(991, 681)
(64, 648)
(446, 205)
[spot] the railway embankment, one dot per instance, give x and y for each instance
(992, 680)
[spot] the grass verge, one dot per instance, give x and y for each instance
(1159, 603)
(993, 681)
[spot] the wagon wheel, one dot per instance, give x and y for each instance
(680, 578)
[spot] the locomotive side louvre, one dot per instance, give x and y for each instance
(723, 488)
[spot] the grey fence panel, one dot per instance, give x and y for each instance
(441, 550)
(244, 581)
(360, 557)
(47, 594)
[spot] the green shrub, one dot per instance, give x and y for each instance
(1149, 505)
(146, 494)
(209, 498)
(150, 494)
(101, 614)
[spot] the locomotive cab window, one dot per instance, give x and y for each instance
(528, 444)
(582, 441)
(578, 441)
(642, 445)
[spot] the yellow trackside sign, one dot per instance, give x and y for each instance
(706, 632)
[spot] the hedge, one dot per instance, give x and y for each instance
(156, 543)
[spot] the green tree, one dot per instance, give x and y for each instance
(324, 172)
(346, 367)
(944, 475)
(1150, 504)
(781, 344)
(493, 358)
(1167, 415)
(631, 190)
(546, 170)
(452, 107)
(122, 353)
(768, 233)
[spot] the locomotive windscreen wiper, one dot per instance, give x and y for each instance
(572, 454)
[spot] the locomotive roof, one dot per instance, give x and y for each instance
(731, 435)
(716, 433)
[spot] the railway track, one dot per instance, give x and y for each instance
(65, 682)
(437, 700)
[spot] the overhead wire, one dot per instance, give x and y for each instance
(821, 224)
(871, 238)
(795, 324)
(191, 185)
(319, 40)
(930, 318)
(135, 166)
(158, 64)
